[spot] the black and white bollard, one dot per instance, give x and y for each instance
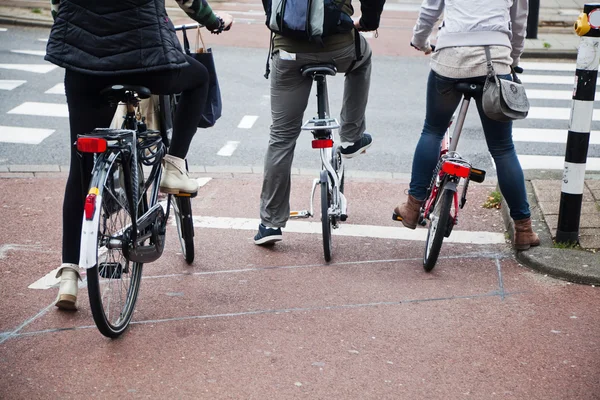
(582, 109)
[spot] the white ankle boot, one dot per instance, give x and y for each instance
(67, 293)
(175, 178)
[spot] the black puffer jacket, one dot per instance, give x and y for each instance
(91, 37)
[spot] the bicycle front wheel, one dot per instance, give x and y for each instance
(114, 281)
(325, 219)
(438, 223)
(182, 207)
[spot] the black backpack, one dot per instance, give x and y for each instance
(307, 19)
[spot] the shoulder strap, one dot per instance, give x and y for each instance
(357, 52)
(488, 57)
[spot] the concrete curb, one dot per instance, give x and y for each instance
(550, 54)
(46, 170)
(577, 266)
(7, 19)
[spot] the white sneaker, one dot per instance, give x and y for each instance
(67, 293)
(175, 179)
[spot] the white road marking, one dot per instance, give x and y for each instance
(228, 149)
(555, 113)
(3, 29)
(41, 109)
(553, 162)
(372, 231)
(248, 121)
(547, 135)
(37, 68)
(545, 66)
(59, 88)
(30, 52)
(551, 94)
(13, 134)
(551, 79)
(47, 281)
(43, 40)
(6, 84)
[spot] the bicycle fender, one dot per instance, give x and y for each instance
(89, 238)
(451, 186)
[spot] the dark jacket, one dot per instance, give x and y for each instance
(110, 37)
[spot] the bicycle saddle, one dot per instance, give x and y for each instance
(117, 93)
(469, 89)
(310, 69)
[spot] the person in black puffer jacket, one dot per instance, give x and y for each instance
(101, 43)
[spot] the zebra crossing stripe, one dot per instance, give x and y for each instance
(547, 79)
(547, 135)
(553, 162)
(6, 84)
(30, 52)
(13, 134)
(59, 88)
(555, 113)
(541, 66)
(3, 29)
(36, 68)
(551, 94)
(41, 109)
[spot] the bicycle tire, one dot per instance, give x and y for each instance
(111, 265)
(437, 228)
(182, 207)
(325, 219)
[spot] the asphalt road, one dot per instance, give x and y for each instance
(394, 116)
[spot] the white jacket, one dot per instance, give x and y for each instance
(474, 23)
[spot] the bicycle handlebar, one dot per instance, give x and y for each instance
(188, 26)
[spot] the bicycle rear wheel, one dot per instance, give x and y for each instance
(113, 282)
(182, 207)
(325, 219)
(438, 222)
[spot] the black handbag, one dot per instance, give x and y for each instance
(503, 100)
(212, 109)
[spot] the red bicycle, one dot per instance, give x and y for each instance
(442, 202)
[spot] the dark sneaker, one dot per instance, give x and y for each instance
(357, 148)
(267, 235)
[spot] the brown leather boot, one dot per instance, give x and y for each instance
(408, 213)
(525, 237)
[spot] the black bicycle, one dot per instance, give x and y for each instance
(124, 224)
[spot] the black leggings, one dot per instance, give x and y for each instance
(88, 110)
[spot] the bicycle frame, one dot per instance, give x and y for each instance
(448, 153)
(124, 143)
(322, 129)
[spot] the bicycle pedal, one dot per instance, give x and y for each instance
(396, 217)
(111, 270)
(343, 217)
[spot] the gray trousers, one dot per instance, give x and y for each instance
(289, 97)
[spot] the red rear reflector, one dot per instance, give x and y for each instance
(462, 171)
(91, 145)
(90, 206)
(322, 143)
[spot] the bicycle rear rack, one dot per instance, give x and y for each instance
(316, 124)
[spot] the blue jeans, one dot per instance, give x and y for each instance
(442, 101)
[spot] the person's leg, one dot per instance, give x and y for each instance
(87, 111)
(356, 91)
(498, 136)
(289, 98)
(442, 101)
(192, 82)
